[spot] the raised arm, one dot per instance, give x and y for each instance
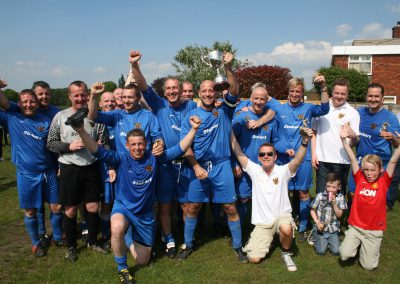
(134, 57)
(345, 132)
(4, 103)
(95, 91)
(188, 139)
(234, 85)
(393, 160)
(242, 158)
(89, 142)
(320, 80)
(306, 134)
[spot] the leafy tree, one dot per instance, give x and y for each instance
(59, 97)
(121, 81)
(190, 66)
(358, 81)
(158, 85)
(275, 77)
(109, 86)
(11, 94)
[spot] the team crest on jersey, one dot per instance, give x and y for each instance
(215, 113)
(238, 112)
(138, 125)
(275, 180)
(40, 128)
(374, 186)
(149, 168)
(265, 127)
(341, 115)
(373, 125)
(300, 116)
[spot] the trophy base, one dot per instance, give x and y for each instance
(221, 86)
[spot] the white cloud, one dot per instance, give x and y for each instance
(302, 58)
(374, 31)
(59, 71)
(153, 70)
(99, 70)
(395, 8)
(343, 30)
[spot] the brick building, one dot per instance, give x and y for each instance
(378, 58)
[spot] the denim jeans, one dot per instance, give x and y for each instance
(326, 240)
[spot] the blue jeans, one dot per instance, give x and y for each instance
(325, 240)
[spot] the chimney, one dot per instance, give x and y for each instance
(396, 31)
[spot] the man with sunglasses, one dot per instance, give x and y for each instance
(271, 209)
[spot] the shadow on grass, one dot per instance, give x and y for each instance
(7, 185)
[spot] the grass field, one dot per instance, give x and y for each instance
(213, 262)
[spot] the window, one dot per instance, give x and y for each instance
(362, 63)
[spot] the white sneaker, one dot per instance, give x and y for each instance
(287, 259)
(311, 237)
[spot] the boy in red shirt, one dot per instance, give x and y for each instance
(367, 219)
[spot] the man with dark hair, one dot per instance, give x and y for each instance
(327, 128)
(135, 195)
(79, 175)
(36, 173)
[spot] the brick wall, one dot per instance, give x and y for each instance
(340, 61)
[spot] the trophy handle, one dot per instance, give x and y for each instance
(206, 60)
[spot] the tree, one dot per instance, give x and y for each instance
(11, 94)
(109, 86)
(59, 97)
(358, 81)
(121, 81)
(275, 77)
(158, 85)
(190, 66)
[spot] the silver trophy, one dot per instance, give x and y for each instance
(215, 59)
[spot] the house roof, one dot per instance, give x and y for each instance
(390, 41)
(366, 49)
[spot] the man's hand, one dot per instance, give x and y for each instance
(253, 124)
(195, 122)
(200, 173)
(346, 131)
(76, 145)
(3, 83)
(134, 56)
(228, 59)
(237, 172)
(319, 80)
(113, 175)
(306, 134)
(158, 147)
(386, 135)
(320, 225)
(314, 162)
(97, 89)
(290, 152)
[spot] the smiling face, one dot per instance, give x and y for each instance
(28, 104)
(259, 98)
(78, 96)
(187, 90)
(267, 157)
(130, 99)
(374, 99)
(43, 96)
(172, 91)
(107, 101)
(295, 94)
(207, 94)
(339, 95)
(136, 146)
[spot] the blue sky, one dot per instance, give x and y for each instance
(62, 41)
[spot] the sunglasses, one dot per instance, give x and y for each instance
(269, 154)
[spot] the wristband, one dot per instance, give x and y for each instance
(324, 90)
(304, 144)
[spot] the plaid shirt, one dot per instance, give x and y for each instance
(325, 212)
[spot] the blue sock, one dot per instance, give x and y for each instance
(304, 214)
(128, 237)
(242, 209)
(41, 220)
(190, 227)
(121, 262)
(105, 226)
(236, 231)
(169, 238)
(31, 224)
(56, 220)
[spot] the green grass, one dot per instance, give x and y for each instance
(213, 262)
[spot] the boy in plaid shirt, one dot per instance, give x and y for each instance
(326, 208)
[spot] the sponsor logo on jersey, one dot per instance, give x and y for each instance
(275, 180)
(368, 192)
(137, 125)
(365, 135)
(27, 133)
(208, 130)
(261, 137)
(290, 126)
(142, 182)
(341, 115)
(173, 126)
